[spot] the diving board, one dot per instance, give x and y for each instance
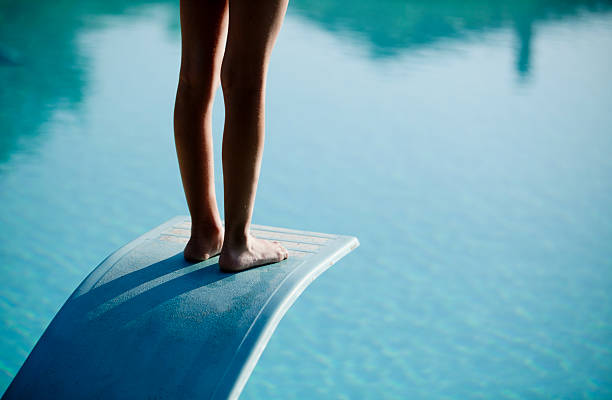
(146, 324)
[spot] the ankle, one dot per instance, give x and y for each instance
(204, 230)
(237, 238)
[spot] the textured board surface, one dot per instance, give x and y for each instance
(146, 324)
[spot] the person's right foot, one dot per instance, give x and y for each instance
(250, 253)
(203, 246)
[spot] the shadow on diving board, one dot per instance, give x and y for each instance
(146, 324)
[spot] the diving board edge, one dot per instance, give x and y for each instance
(261, 330)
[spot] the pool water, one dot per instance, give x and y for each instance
(466, 144)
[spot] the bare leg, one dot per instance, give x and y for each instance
(203, 32)
(253, 27)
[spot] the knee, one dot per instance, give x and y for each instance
(242, 76)
(197, 78)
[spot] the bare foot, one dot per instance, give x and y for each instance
(203, 246)
(251, 253)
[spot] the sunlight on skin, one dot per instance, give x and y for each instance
(242, 64)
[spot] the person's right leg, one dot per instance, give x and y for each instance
(203, 33)
(253, 27)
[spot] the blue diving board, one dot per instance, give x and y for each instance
(146, 324)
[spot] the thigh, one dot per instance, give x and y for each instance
(203, 34)
(253, 28)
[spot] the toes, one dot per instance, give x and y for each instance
(283, 253)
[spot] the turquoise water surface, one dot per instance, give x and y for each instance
(466, 143)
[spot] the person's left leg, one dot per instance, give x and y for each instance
(203, 33)
(252, 32)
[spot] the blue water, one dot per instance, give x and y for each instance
(466, 144)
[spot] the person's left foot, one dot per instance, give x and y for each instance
(249, 253)
(204, 246)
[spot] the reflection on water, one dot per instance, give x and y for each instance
(46, 69)
(41, 65)
(482, 201)
(391, 27)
